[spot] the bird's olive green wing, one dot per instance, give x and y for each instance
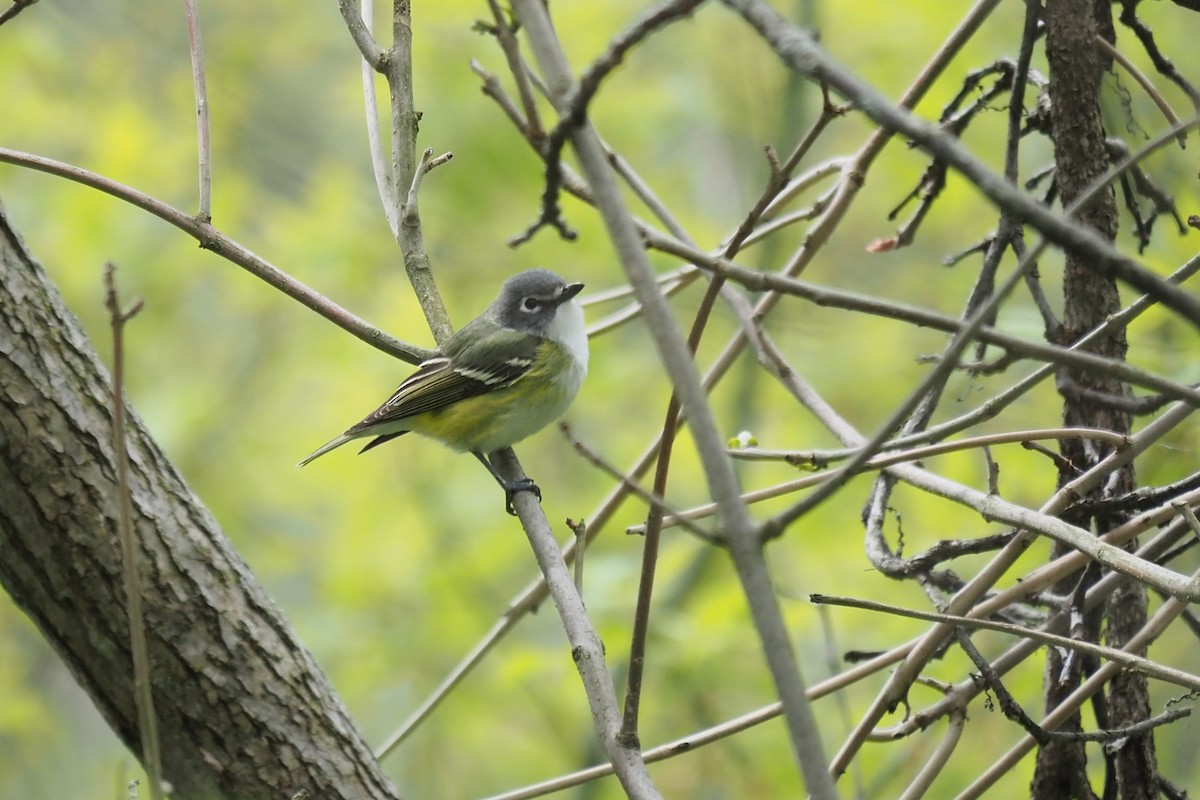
(498, 360)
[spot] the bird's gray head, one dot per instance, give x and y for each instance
(530, 300)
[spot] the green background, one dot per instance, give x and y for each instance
(392, 566)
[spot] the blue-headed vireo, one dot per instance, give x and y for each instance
(503, 376)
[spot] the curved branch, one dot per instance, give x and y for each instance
(212, 239)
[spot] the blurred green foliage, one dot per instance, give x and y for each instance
(392, 565)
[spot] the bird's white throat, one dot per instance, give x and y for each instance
(568, 329)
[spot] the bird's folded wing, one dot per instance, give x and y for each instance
(443, 381)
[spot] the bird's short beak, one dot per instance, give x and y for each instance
(569, 291)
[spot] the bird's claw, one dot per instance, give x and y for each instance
(511, 490)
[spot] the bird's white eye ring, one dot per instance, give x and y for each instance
(530, 304)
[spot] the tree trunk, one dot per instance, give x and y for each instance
(243, 711)
(1076, 70)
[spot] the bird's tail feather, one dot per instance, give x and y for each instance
(378, 440)
(325, 448)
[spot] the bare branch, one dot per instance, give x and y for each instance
(836, 298)
(587, 651)
(143, 694)
(747, 555)
(1127, 659)
(1148, 87)
(212, 239)
(196, 48)
(1170, 609)
(16, 8)
(573, 108)
(1130, 19)
(380, 168)
(651, 498)
(371, 52)
(797, 49)
(530, 123)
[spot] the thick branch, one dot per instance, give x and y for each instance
(242, 707)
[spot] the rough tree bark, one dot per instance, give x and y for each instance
(243, 710)
(1076, 71)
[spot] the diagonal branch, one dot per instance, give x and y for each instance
(573, 109)
(798, 50)
(722, 482)
(212, 239)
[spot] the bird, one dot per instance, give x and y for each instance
(499, 379)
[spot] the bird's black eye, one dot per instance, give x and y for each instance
(530, 304)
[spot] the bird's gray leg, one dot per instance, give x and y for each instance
(510, 487)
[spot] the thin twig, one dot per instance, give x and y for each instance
(380, 168)
(212, 239)
(1169, 610)
(819, 459)
(493, 89)
(671, 284)
(878, 462)
(798, 50)
(531, 122)
(203, 137)
(580, 531)
(1125, 658)
(646, 194)
(641, 617)
(722, 482)
(652, 498)
(1148, 87)
(143, 693)
(771, 198)
(587, 650)
(427, 164)
(1073, 356)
